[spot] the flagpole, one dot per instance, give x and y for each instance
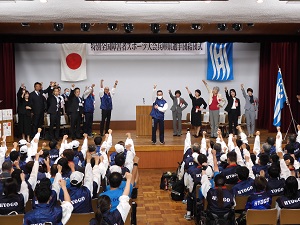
(289, 106)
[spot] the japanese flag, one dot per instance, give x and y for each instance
(73, 62)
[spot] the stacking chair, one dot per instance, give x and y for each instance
(80, 218)
(13, 219)
(263, 217)
(289, 216)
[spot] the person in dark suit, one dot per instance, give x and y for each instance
(179, 104)
(76, 112)
(38, 104)
(234, 110)
(54, 109)
(198, 105)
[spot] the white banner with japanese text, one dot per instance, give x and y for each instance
(146, 48)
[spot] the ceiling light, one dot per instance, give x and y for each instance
(259, 1)
(196, 26)
(58, 26)
(43, 1)
(171, 27)
(112, 26)
(237, 26)
(155, 28)
(128, 27)
(222, 26)
(85, 26)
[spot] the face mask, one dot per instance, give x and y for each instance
(67, 93)
(159, 97)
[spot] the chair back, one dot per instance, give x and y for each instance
(263, 217)
(13, 219)
(289, 216)
(274, 198)
(94, 204)
(240, 202)
(80, 218)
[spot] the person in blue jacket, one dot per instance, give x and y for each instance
(158, 115)
(46, 213)
(88, 109)
(260, 199)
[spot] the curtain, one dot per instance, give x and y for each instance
(7, 77)
(286, 56)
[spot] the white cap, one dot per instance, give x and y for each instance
(115, 168)
(209, 172)
(22, 142)
(223, 158)
(76, 177)
(75, 144)
(23, 149)
(119, 148)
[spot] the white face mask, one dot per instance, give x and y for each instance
(159, 97)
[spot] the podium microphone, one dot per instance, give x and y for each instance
(144, 101)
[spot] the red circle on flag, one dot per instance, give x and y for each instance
(73, 61)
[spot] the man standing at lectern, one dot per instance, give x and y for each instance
(158, 113)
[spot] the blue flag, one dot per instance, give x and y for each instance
(219, 61)
(280, 99)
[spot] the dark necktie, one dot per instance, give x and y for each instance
(251, 99)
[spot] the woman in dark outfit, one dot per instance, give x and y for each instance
(197, 102)
(24, 114)
(234, 110)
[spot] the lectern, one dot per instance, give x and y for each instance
(143, 120)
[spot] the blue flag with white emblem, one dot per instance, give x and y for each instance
(280, 99)
(219, 61)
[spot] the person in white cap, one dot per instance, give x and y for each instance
(128, 152)
(81, 189)
(27, 150)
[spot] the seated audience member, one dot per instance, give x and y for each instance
(191, 152)
(53, 152)
(275, 184)
(230, 171)
(289, 161)
(81, 189)
(31, 173)
(244, 187)
(193, 179)
(47, 183)
(271, 142)
(116, 188)
(290, 198)
(105, 214)
(46, 213)
(220, 201)
(98, 141)
(260, 199)
(14, 197)
(262, 165)
(79, 156)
